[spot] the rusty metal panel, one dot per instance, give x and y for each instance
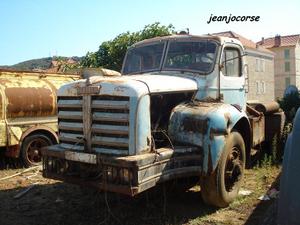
(274, 125)
(28, 94)
(30, 101)
(258, 129)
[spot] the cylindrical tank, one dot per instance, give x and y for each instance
(30, 94)
(267, 108)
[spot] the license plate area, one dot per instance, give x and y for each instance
(81, 157)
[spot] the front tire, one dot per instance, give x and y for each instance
(222, 186)
(31, 149)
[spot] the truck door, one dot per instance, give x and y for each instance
(232, 80)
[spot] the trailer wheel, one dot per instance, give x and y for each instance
(222, 186)
(31, 148)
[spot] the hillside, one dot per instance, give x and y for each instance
(39, 64)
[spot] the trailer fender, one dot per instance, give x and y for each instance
(42, 129)
(14, 150)
(206, 125)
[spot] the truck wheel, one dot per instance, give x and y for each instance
(222, 186)
(31, 148)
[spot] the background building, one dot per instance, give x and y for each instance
(287, 61)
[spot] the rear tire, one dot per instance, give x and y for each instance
(31, 149)
(222, 186)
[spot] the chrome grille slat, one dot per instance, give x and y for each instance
(69, 137)
(70, 126)
(110, 141)
(69, 103)
(109, 129)
(114, 117)
(104, 104)
(77, 115)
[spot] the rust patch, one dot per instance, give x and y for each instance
(195, 125)
(227, 119)
(30, 102)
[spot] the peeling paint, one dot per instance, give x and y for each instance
(205, 125)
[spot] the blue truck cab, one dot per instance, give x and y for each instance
(178, 110)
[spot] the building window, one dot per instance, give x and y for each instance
(287, 82)
(260, 87)
(262, 65)
(257, 87)
(287, 67)
(286, 53)
(263, 87)
(256, 65)
(259, 65)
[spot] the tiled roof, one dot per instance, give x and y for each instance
(289, 40)
(246, 42)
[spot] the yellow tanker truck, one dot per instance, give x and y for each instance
(28, 119)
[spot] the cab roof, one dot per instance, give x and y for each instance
(217, 38)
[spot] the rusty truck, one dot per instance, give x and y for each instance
(28, 118)
(179, 110)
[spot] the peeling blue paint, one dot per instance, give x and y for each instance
(205, 125)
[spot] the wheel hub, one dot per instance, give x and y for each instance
(34, 150)
(233, 169)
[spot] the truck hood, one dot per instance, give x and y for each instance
(140, 84)
(166, 83)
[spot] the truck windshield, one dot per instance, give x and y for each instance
(191, 56)
(144, 59)
(194, 56)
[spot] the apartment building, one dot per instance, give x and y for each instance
(286, 61)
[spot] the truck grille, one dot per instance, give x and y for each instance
(110, 124)
(70, 122)
(109, 128)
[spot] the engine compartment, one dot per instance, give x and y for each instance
(161, 107)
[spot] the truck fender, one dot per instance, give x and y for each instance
(206, 125)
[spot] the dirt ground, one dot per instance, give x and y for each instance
(51, 202)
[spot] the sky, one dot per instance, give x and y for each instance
(41, 28)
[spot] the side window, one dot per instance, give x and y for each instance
(231, 60)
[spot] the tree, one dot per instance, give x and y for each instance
(111, 53)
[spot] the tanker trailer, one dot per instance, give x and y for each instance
(28, 112)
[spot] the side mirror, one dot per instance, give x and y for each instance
(246, 74)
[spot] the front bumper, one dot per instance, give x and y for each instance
(128, 175)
